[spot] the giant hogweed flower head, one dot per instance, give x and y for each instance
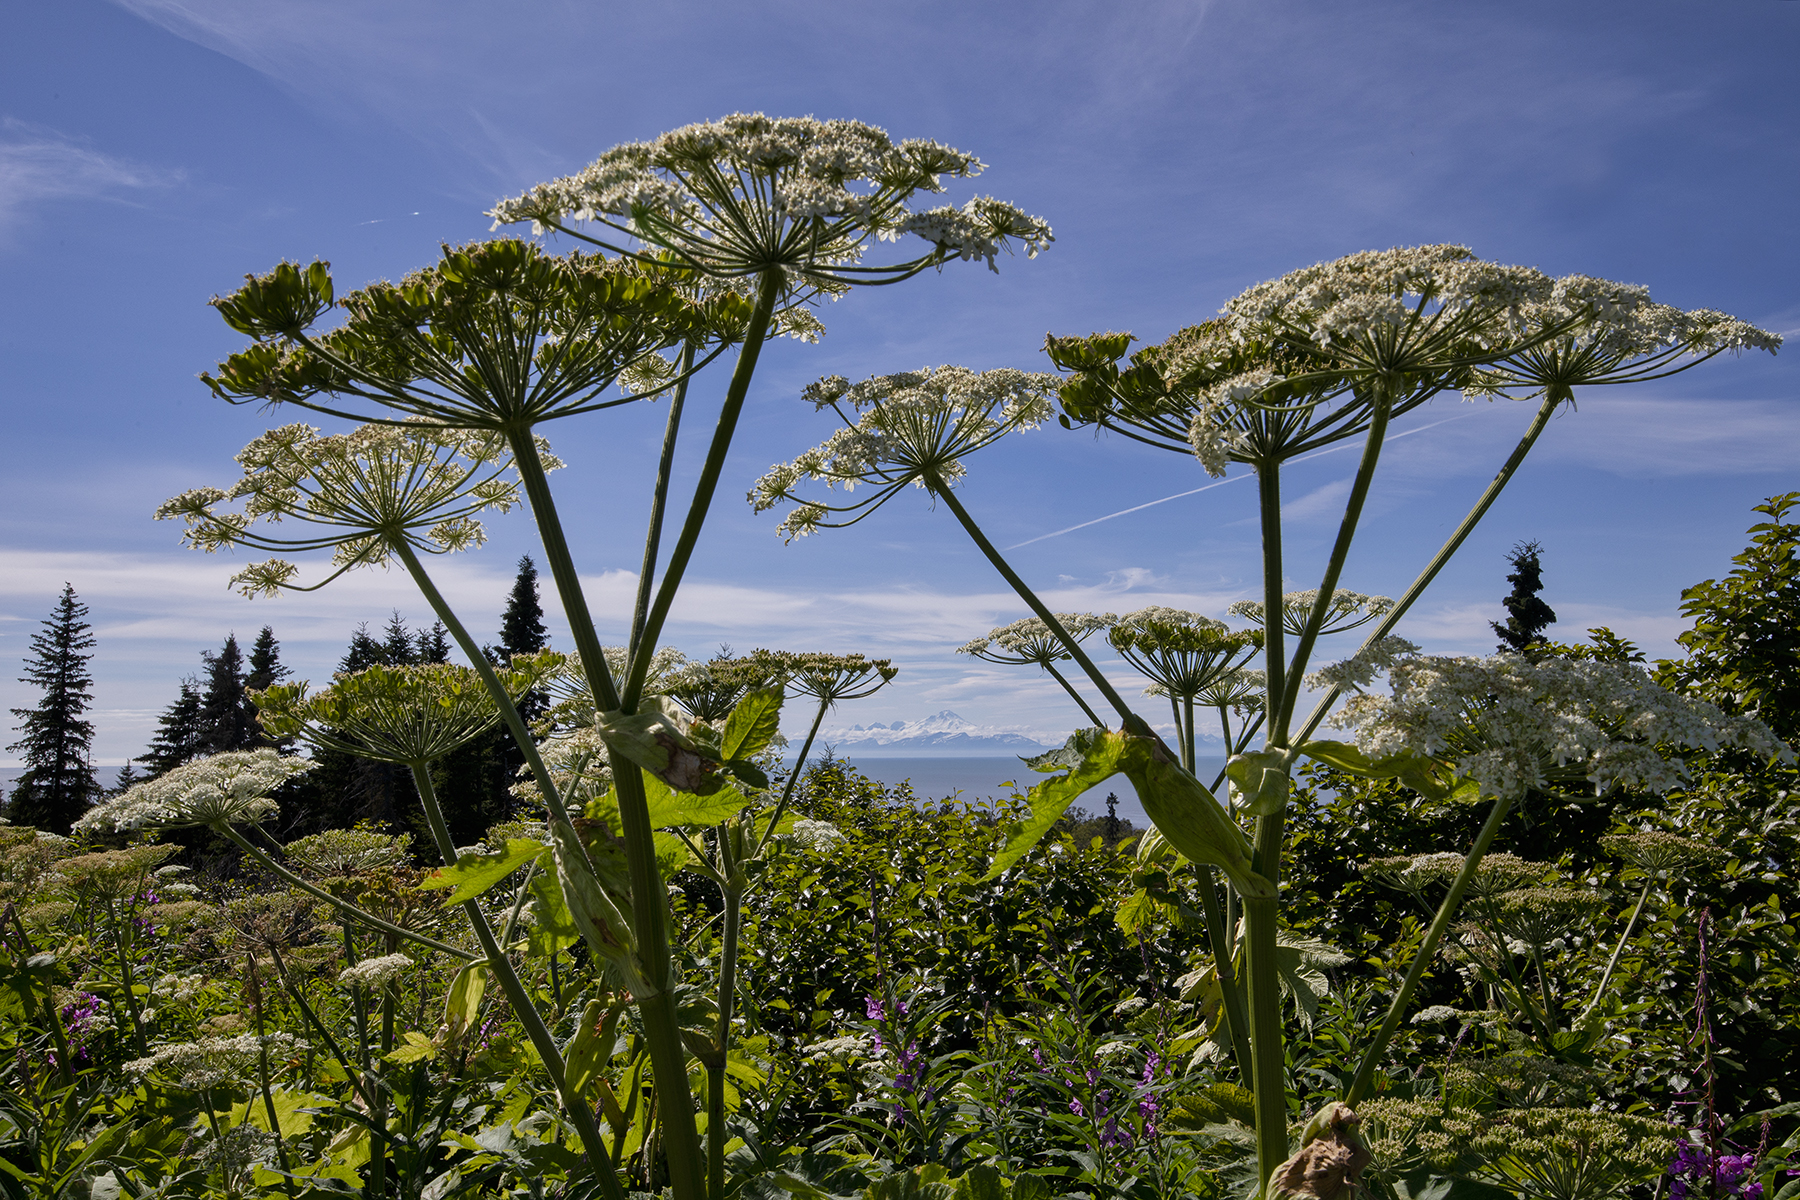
(496, 335)
(830, 678)
(1511, 723)
(215, 1061)
(1628, 339)
(1302, 361)
(221, 789)
(1031, 641)
(750, 193)
(913, 428)
(408, 714)
(1345, 610)
(361, 493)
(1182, 653)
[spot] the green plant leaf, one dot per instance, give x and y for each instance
(474, 874)
(462, 1004)
(670, 809)
(753, 724)
(1098, 761)
(554, 927)
(414, 1047)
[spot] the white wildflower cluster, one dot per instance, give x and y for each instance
(846, 1050)
(1031, 640)
(1182, 653)
(743, 193)
(979, 229)
(1345, 610)
(1359, 670)
(235, 1149)
(1113, 1051)
(359, 491)
(914, 427)
(376, 972)
(820, 837)
(178, 987)
(1361, 295)
(1216, 438)
(1433, 1014)
(1622, 336)
(579, 765)
(1512, 723)
(214, 1061)
(221, 789)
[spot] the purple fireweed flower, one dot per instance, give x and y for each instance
(876, 1009)
(1692, 1169)
(1113, 1136)
(1076, 1108)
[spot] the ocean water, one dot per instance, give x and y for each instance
(975, 777)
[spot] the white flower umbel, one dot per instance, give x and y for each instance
(820, 837)
(1627, 339)
(1032, 641)
(375, 972)
(1345, 610)
(1512, 723)
(914, 428)
(1359, 670)
(750, 193)
(1182, 653)
(222, 789)
(214, 1061)
(361, 493)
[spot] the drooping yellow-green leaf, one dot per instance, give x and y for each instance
(474, 874)
(414, 1047)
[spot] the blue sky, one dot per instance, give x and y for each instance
(154, 151)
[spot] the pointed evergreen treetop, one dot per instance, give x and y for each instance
(1527, 616)
(364, 652)
(265, 662)
(58, 781)
(227, 719)
(522, 628)
(178, 737)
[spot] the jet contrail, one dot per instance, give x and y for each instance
(1221, 483)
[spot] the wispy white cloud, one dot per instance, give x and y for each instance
(39, 166)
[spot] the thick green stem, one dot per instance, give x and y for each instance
(1546, 410)
(1365, 1072)
(715, 1070)
(580, 1113)
(343, 906)
(1231, 994)
(1262, 917)
(943, 492)
(1073, 694)
(127, 980)
(1340, 551)
(659, 500)
(1188, 748)
(1613, 962)
(793, 779)
(767, 293)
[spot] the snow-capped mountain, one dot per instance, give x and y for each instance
(943, 733)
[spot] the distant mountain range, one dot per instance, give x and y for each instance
(941, 734)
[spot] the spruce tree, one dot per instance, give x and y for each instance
(397, 647)
(434, 644)
(522, 627)
(364, 652)
(58, 781)
(265, 662)
(1527, 615)
(227, 718)
(178, 733)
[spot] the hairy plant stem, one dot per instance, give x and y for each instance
(1365, 1071)
(659, 500)
(1262, 916)
(1613, 962)
(1073, 694)
(942, 491)
(1231, 993)
(1552, 398)
(675, 1107)
(578, 1109)
(1340, 551)
(580, 1112)
(793, 779)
